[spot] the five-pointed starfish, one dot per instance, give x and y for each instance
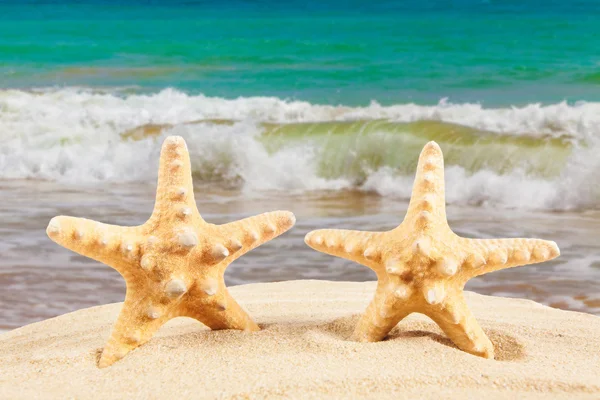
(422, 266)
(173, 264)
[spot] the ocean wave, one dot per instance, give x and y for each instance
(539, 157)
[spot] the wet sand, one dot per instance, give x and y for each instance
(40, 280)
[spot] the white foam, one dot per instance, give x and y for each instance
(73, 135)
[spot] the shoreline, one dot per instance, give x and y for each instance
(302, 351)
(57, 281)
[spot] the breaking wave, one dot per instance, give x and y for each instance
(536, 156)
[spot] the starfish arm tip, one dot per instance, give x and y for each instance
(174, 140)
(112, 352)
(274, 222)
(103, 363)
(428, 196)
(433, 145)
(64, 230)
(252, 327)
(174, 175)
(554, 249)
(292, 218)
(286, 219)
(54, 227)
(312, 238)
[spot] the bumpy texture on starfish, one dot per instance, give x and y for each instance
(422, 266)
(174, 263)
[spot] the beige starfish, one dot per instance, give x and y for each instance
(422, 266)
(174, 263)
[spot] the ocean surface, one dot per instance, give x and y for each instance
(320, 108)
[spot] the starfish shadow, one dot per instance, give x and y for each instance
(506, 347)
(97, 355)
(399, 334)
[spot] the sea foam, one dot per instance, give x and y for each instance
(536, 156)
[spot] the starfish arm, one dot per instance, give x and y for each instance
(137, 322)
(428, 195)
(488, 255)
(241, 236)
(110, 244)
(459, 324)
(219, 310)
(380, 317)
(174, 181)
(359, 246)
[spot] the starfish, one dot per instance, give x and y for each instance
(174, 263)
(422, 266)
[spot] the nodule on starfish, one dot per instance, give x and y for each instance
(173, 264)
(422, 266)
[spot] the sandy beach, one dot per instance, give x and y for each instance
(303, 351)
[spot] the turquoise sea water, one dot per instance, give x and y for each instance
(350, 52)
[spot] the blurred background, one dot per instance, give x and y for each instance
(320, 108)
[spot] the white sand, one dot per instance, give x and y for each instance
(302, 352)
